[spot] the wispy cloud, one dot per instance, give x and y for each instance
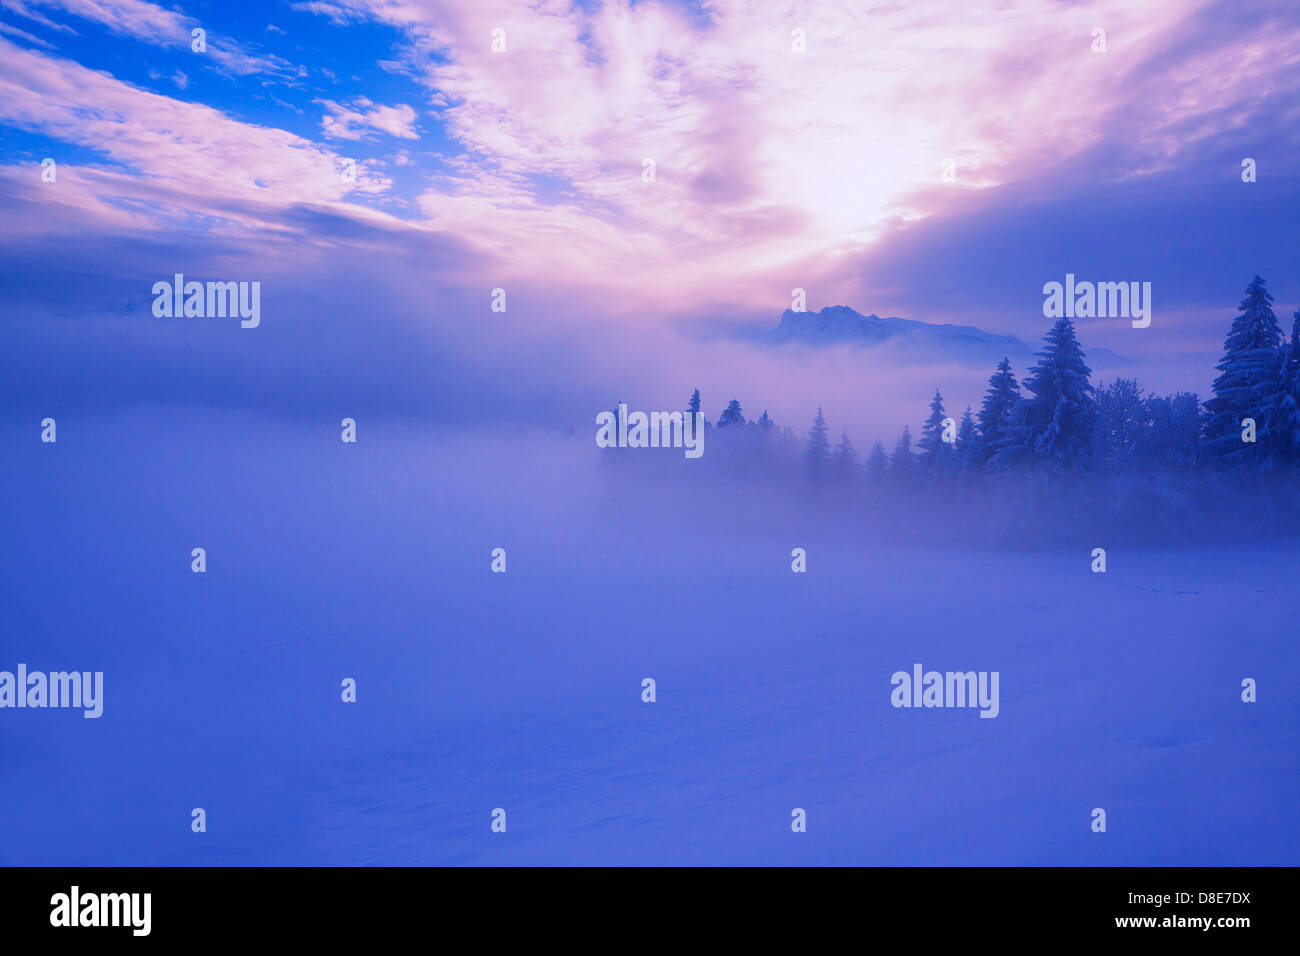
(338, 13)
(171, 154)
(23, 35)
(163, 27)
(24, 9)
(363, 117)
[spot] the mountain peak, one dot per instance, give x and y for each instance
(910, 340)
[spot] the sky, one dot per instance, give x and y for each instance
(794, 145)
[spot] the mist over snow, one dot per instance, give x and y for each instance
(362, 575)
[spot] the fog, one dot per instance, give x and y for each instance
(521, 690)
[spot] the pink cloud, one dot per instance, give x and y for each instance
(183, 156)
(353, 122)
(160, 26)
(767, 161)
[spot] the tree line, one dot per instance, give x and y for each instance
(1057, 421)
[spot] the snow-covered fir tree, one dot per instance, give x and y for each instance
(937, 455)
(1123, 417)
(1250, 385)
(1002, 394)
(970, 447)
(1055, 427)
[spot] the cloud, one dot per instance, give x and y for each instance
(173, 158)
(23, 35)
(772, 162)
(353, 122)
(136, 18)
(162, 27)
(22, 9)
(338, 14)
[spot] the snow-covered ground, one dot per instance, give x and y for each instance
(523, 690)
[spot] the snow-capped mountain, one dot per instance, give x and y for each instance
(908, 338)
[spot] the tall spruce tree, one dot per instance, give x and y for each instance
(877, 463)
(1002, 395)
(693, 406)
(817, 453)
(845, 458)
(1250, 386)
(970, 447)
(935, 453)
(1055, 428)
(902, 463)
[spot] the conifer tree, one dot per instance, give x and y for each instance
(731, 415)
(970, 446)
(1293, 354)
(1002, 395)
(693, 407)
(817, 455)
(1173, 437)
(1250, 386)
(902, 464)
(877, 463)
(845, 459)
(1292, 385)
(1123, 417)
(935, 453)
(1055, 427)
